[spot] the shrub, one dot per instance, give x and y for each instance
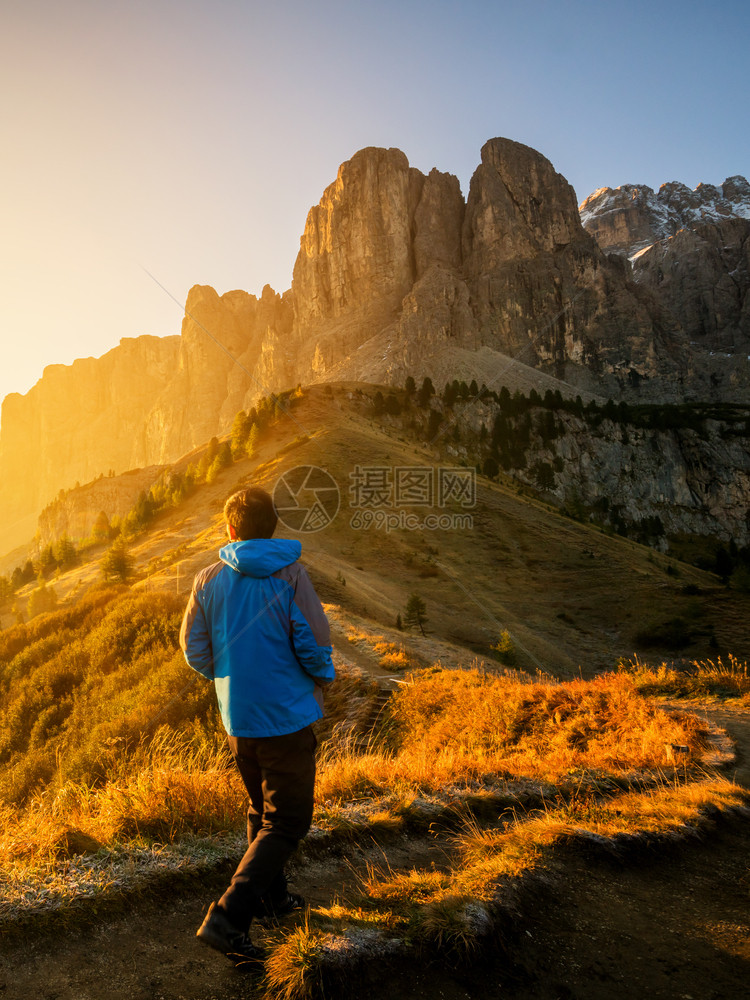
(505, 649)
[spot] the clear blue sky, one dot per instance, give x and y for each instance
(190, 138)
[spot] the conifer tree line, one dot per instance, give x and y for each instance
(520, 435)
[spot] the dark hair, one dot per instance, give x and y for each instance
(251, 513)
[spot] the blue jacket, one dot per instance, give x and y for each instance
(255, 626)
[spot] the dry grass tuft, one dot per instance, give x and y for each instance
(691, 678)
(453, 911)
(392, 656)
(294, 967)
(453, 925)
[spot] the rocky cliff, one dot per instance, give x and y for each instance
(146, 402)
(396, 274)
(694, 482)
(690, 253)
(78, 421)
(690, 471)
(702, 277)
(628, 218)
(74, 512)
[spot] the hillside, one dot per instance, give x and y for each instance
(573, 597)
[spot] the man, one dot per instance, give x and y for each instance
(255, 626)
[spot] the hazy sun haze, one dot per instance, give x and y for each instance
(192, 138)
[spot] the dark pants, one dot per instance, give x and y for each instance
(279, 775)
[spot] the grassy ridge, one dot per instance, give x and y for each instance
(523, 769)
(82, 689)
(505, 768)
(451, 912)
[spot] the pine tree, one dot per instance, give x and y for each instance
(490, 468)
(426, 392)
(433, 424)
(415, 615)
(221, 461)
(65, 552)
(252, 441)
(450, 393)
(47, 561)
(238, 436)
(100, 531)
(392, 405)
(505, 649)
(117, 563)
(42, 599)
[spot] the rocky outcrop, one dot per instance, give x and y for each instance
(695, 483)
(702, 277)
(629, 218)
(74, 512)
(146, 402)
(395, 274)
(542, 290)
(689, 256)
(695, 479)
(381, 227)
(223, 361)
(79, 420)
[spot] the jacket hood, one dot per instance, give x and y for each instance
(260, 557)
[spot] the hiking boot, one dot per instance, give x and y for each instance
(217, 931)
(289, 902)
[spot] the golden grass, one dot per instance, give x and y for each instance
(453, 728)
(449, 737)
(452, 911)
(692, 678)
(355, 634)
(449, 909)
(392, 656)
(173, 790)
(661, 811)
(450, 729)
(294, 968)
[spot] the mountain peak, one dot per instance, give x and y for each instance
(631, 217)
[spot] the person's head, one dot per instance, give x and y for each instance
(250, 514)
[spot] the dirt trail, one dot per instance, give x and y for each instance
(736, 722)
(672, 924)
(152, 952)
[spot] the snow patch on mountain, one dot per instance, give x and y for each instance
(630, 218)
